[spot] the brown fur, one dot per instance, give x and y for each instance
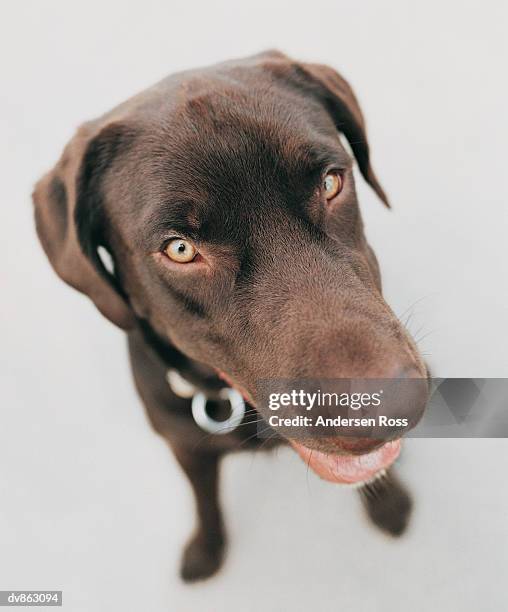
(232, 157)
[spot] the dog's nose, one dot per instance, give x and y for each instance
(400, 392)
(405, 392)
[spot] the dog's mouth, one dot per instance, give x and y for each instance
(357, 467)
(349, 469)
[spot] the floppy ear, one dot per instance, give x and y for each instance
(69, 218)
(335, 93)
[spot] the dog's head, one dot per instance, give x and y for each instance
(226, 201)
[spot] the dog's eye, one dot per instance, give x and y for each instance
(180, 250)
(332, 185)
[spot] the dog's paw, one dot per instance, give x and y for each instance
(202, 557)
(388, 504)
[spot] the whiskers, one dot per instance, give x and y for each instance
(420, 335)
(251, 417)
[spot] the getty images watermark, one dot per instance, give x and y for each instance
(30, 598)
(384, 408)
(328, 399)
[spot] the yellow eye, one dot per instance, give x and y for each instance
(332, 185)
(180, 250)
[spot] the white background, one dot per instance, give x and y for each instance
(91, 501)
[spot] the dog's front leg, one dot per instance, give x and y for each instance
(204, 552)
(387, 503)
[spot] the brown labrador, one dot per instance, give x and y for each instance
(214, 218)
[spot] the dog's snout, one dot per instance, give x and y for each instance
(372, 407)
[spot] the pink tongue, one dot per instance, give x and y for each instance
(348, 469)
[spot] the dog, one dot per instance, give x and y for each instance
(214, 218)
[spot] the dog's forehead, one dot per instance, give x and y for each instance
(222, 136)
(235, 121)
(231, 146)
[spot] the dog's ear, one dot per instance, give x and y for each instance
(335, 93)
(70, 217)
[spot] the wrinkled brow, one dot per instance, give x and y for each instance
(179, 217)
(328, 154)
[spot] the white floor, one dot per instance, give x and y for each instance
(91, 502)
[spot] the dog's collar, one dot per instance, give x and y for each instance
(183, 388)
(178, 371)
